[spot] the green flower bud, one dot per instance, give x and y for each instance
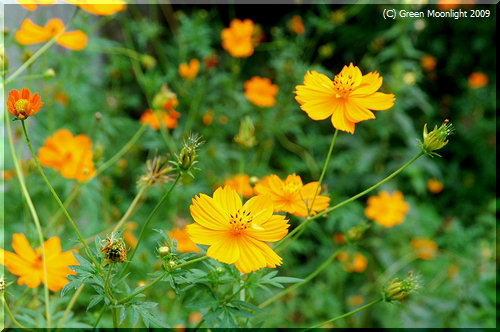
(398, 290)
(49, 73)
(148, 62)
(246, 137)
(163, 251)
(355, 233)
(436, 139)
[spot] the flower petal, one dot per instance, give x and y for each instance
(274, 229)
(228, 199)
(22, 247)
(203, 235)
(378, 101)
(207, 212)
(251, 256)
(226, 250)
(340, 122)
(74, 40)
(261, 208)
(370, 83)
(31, 33)
(355, 113)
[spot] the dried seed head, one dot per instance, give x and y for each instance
(156, 171)
(114, 250)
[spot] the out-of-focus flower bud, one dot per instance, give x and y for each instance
(436, 139)
(49, 73)
(355, 233)
(164, 99)
(398, 290)
(326, 51)
(163, 251)
(246, 137)
(148, 62)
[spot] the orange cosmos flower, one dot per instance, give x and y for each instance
(355, 263)
(355, 300)
(348, 99)
(237, 39)
(428, 62)
(387, 210)
(434, 186)
(426, 249)
(28, 264)
(31, 33)
(23, 104)
(261, 91)
(195, 317)
(32, 4)
(292, 195)
(109, 8)
(208, 117)
(338, 238)
(237, 233)
(296, 24)
(478, 80)
(184, 243)
(151, 118)
(189, 71)
(240, 183)
(72, 156)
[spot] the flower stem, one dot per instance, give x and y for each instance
(70, 305)
(306, 280)
(6, 306)
(38, 53)
(100, 316)
(34, 214)
(325, 166)
(345, 315)
(303, 225)
(146, 224)
(143, 289)
(82, 240)
(115, 317)
(130, 209)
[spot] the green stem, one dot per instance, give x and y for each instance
(38, 53)
(325, 166)
(70, 305)
(145, 226)
(145, 288)
(130, 209)
(33, 212)
(30, 77)
(306, 280)
(303, 225)
(107, 290)
(115, 317)
(6, 306)
(80, 237)
(345, 315)
(100, 315)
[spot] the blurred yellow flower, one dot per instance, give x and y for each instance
(478, 80)
(292, 195)
(425, 248)
(434, 186)
(240, 183)
(355, 263)
(387, 210)
(237, 39)
(109, 7)
(355, 300)
(261, 92)
(348, 99)
(184, 243)
(72, 156)
(189, 71)
(152, 119)
(237, 233)
(30, 33)
(32, 4)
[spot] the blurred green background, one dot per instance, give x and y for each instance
(458, 284)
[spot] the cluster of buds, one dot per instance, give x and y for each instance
(398, 290)
(246, 135)
(156, 171)
(354, 234)
(114, 250)
(436, 139)
(168, 258)
(187, 157)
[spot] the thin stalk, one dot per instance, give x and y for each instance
(303, 225)
(134, 294)
(100, 316)
(6, 306)
(70, 305)
(38, 53)
(325, 166)
(345, 315)
(34, 214)
(130, 209)
(306, 280)
(148, 220)
(115, 317)
(30, 77)
(82, 240)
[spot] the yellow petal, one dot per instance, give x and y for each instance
(207, 212)
(340, 122)
(274, 229)
(251, 257)
(74, 40)
(355, 113)
(261, 208)
(227, 250)
(378, 101)
(22, 247)
(202, 235)
(370, 83)
(228, 199)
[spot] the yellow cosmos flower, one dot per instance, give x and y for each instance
(240, 183)
(387, 210)
(292, 195)
(237, 233)
(189, 71)
(425, 248)
(260, 91)
(184, 243)
(348, 99)
(434, 186)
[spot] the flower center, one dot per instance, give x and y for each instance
(291, 187)
(20, 105)
(38, 264)
(241, 220)
(343, 84)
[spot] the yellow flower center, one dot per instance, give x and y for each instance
(291, 187)
(343, 84)
(38, 264)
(20, 105)
(241, 220)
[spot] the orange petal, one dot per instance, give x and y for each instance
(340, 122)
(378, 101)
(74, 40)
(22, 247)
(31, 33)
(355, 113)
(226, 251)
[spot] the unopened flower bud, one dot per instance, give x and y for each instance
(172, 263)
(148, 62)
(246, 137)
(355, 233)
(398, 290)
(97, 116)
(163, 251)
(219, 269)
(49, 73)
(187, 156)
(436, 139)
(164, 99)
